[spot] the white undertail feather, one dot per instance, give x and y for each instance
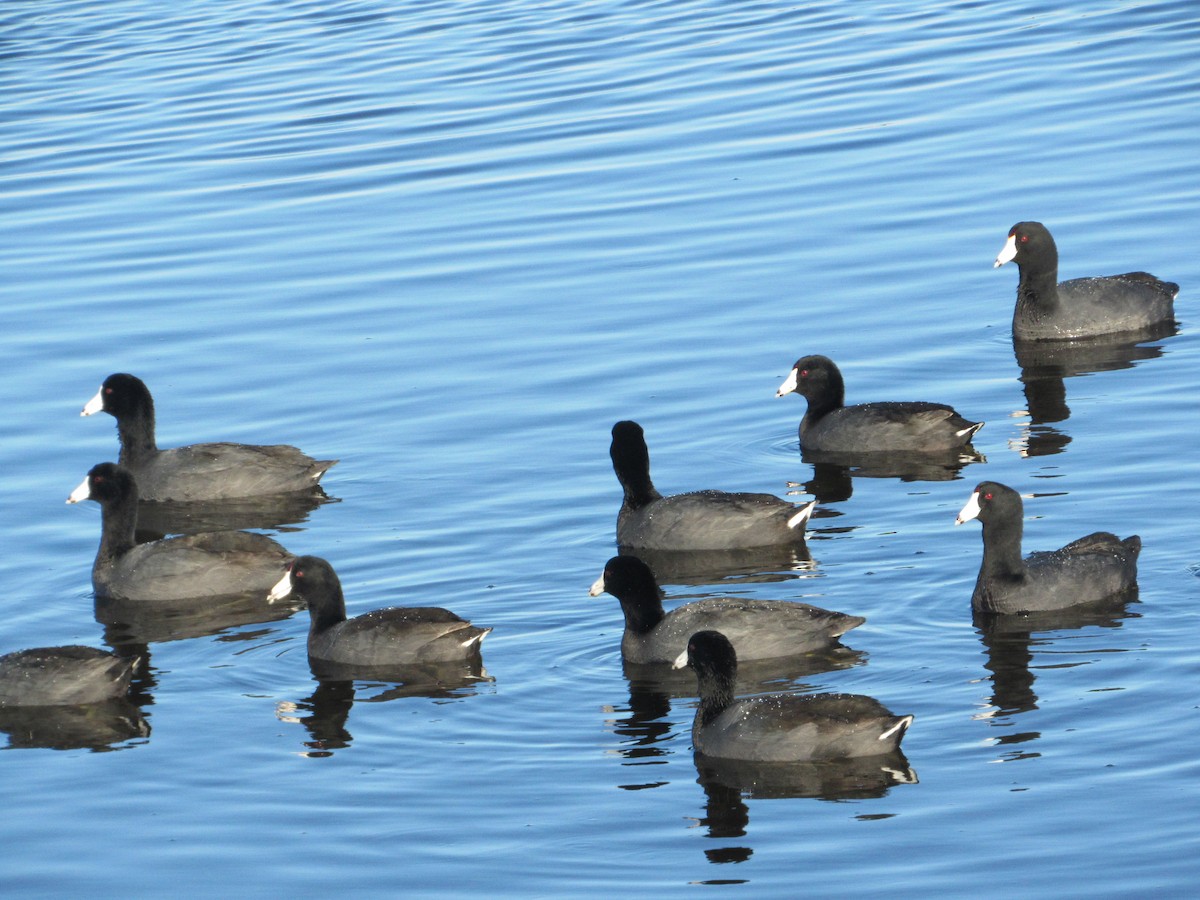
(477, 639)
(901, 726)
(802, 515)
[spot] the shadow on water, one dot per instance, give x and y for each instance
(285, 511)
(728, 783)
(89, 726)
(744, 566)
(128, 622)
(834, 473)
(326, 712)
(1009, 643)
(1045, 366)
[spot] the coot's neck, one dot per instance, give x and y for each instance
(1037, 291)
(716, 693)
(326, 607)
(632, 465)
(135, 428)
(643, 609)
(820, 404)
(1002, 550)
(118, 517)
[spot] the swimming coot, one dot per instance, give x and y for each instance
(759, 629)
(197, 565)
(700, 520)
(780, 727)
(893, 427)
(1049, 309)
(218, 471)
(63, 676)
(1089, 569)
(394, 636)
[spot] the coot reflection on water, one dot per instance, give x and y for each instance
(157, 520)
(325, 713)
(1009, 640)
(88, 726)
(1046, 365)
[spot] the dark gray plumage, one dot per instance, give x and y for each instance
(759, 629)
(829, 426)
(197, 565)
(780, 727)
(1092, 568)
(700, 520)
(394, 636)
(63, 676)
(215, 471)
(1049, 309)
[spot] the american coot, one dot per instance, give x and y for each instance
(384, 637)
(700, 520)
(1048, 309)
(760, 629)
(197, 565)
(216, 471)
(1089, 569)
(830, 426)
(61, 676)
(780, 727)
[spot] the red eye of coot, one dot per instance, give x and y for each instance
(1024, 239)
(987, 496)
(804, 373)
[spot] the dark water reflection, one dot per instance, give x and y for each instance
(860, 778)
(325, 713)
(834, 473)
(1009, 642)
(129, 623)
(89, 726)
(728, 783)
(157, 520)
(745, 566)
(1045, 366)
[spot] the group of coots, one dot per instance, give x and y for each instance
(708, 635)
(711, 635)
(196, 568)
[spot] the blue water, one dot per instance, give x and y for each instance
(450, 245)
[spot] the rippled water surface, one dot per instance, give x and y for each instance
(450, 244)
